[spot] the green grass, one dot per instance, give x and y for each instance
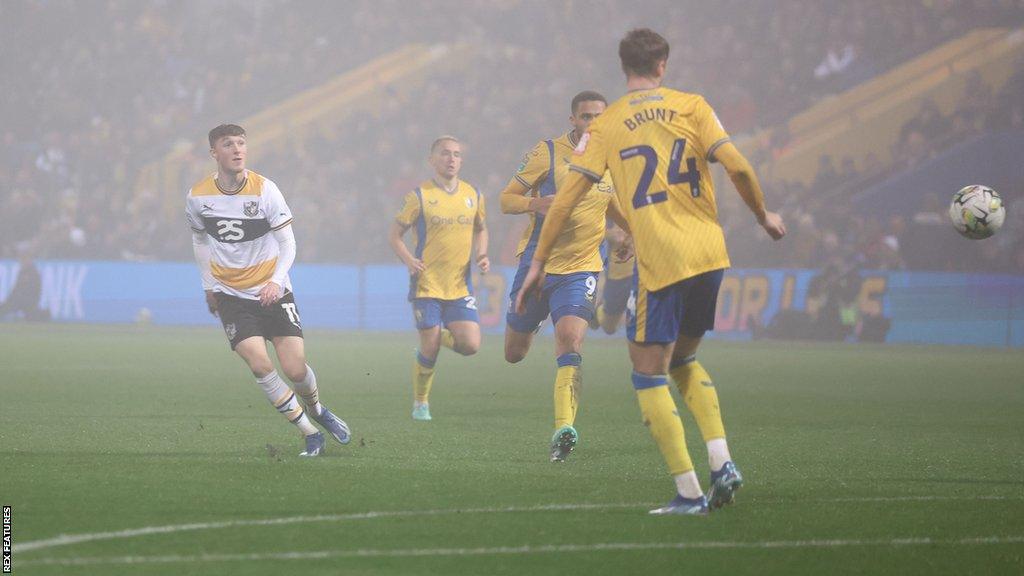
(107, 429)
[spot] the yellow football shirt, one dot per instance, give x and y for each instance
(444, 224)
(543, 170)
(657, 144)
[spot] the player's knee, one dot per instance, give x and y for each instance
(514, 354)
(468, 348)
(610, 323)
(295, 373)
(260, 366)
(569, 341)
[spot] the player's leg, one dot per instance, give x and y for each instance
(423, 372)
(242, 320)
(569, 332)
(696, 387)
(652, 330)
(517, 344)
(466, 334)
(571, 299)
(282, 324)
(291, 354)
(461, 318)
(520, 328)
(253, 351)
(698, 391)
(428, 324)
(613, 305)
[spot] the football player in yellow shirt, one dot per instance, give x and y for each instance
(657, 143)
(571, 283)
(450, 219)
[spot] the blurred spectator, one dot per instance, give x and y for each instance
(115, 85)
(23, 301)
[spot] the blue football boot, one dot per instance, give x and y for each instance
(683, 507)
(314, 445)
(336, 426)
(724, 485)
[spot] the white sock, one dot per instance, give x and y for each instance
(307, 389)
(688, 486)
(283, 399)
(718, 453)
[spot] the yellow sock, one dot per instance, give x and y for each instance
(660, 415)
(447, 339)
(568, 384)
(701, 398)
(422, 378)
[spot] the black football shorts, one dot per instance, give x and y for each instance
(243, 318)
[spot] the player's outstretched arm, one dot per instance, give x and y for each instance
(534, 169)
(566, 199)
(415, 265)
(615, 213)
(514, 200)
(743, 177)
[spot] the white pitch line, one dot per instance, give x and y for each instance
(524, 550)
(68, 539)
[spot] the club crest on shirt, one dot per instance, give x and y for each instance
(469, 202)
(251, 209)
(230, 330)
(582, 146)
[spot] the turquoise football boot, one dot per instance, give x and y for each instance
(421, 412)
(563, 442)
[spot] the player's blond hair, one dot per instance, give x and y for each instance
(443, 138)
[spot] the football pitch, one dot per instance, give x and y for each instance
(128, 450)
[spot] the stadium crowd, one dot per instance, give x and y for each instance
(118, 84)
(829, 229)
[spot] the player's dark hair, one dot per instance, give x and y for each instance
(225, 130)
(641, 50)
(586, 96)
(443, 138)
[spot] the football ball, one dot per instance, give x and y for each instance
(977, 212)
